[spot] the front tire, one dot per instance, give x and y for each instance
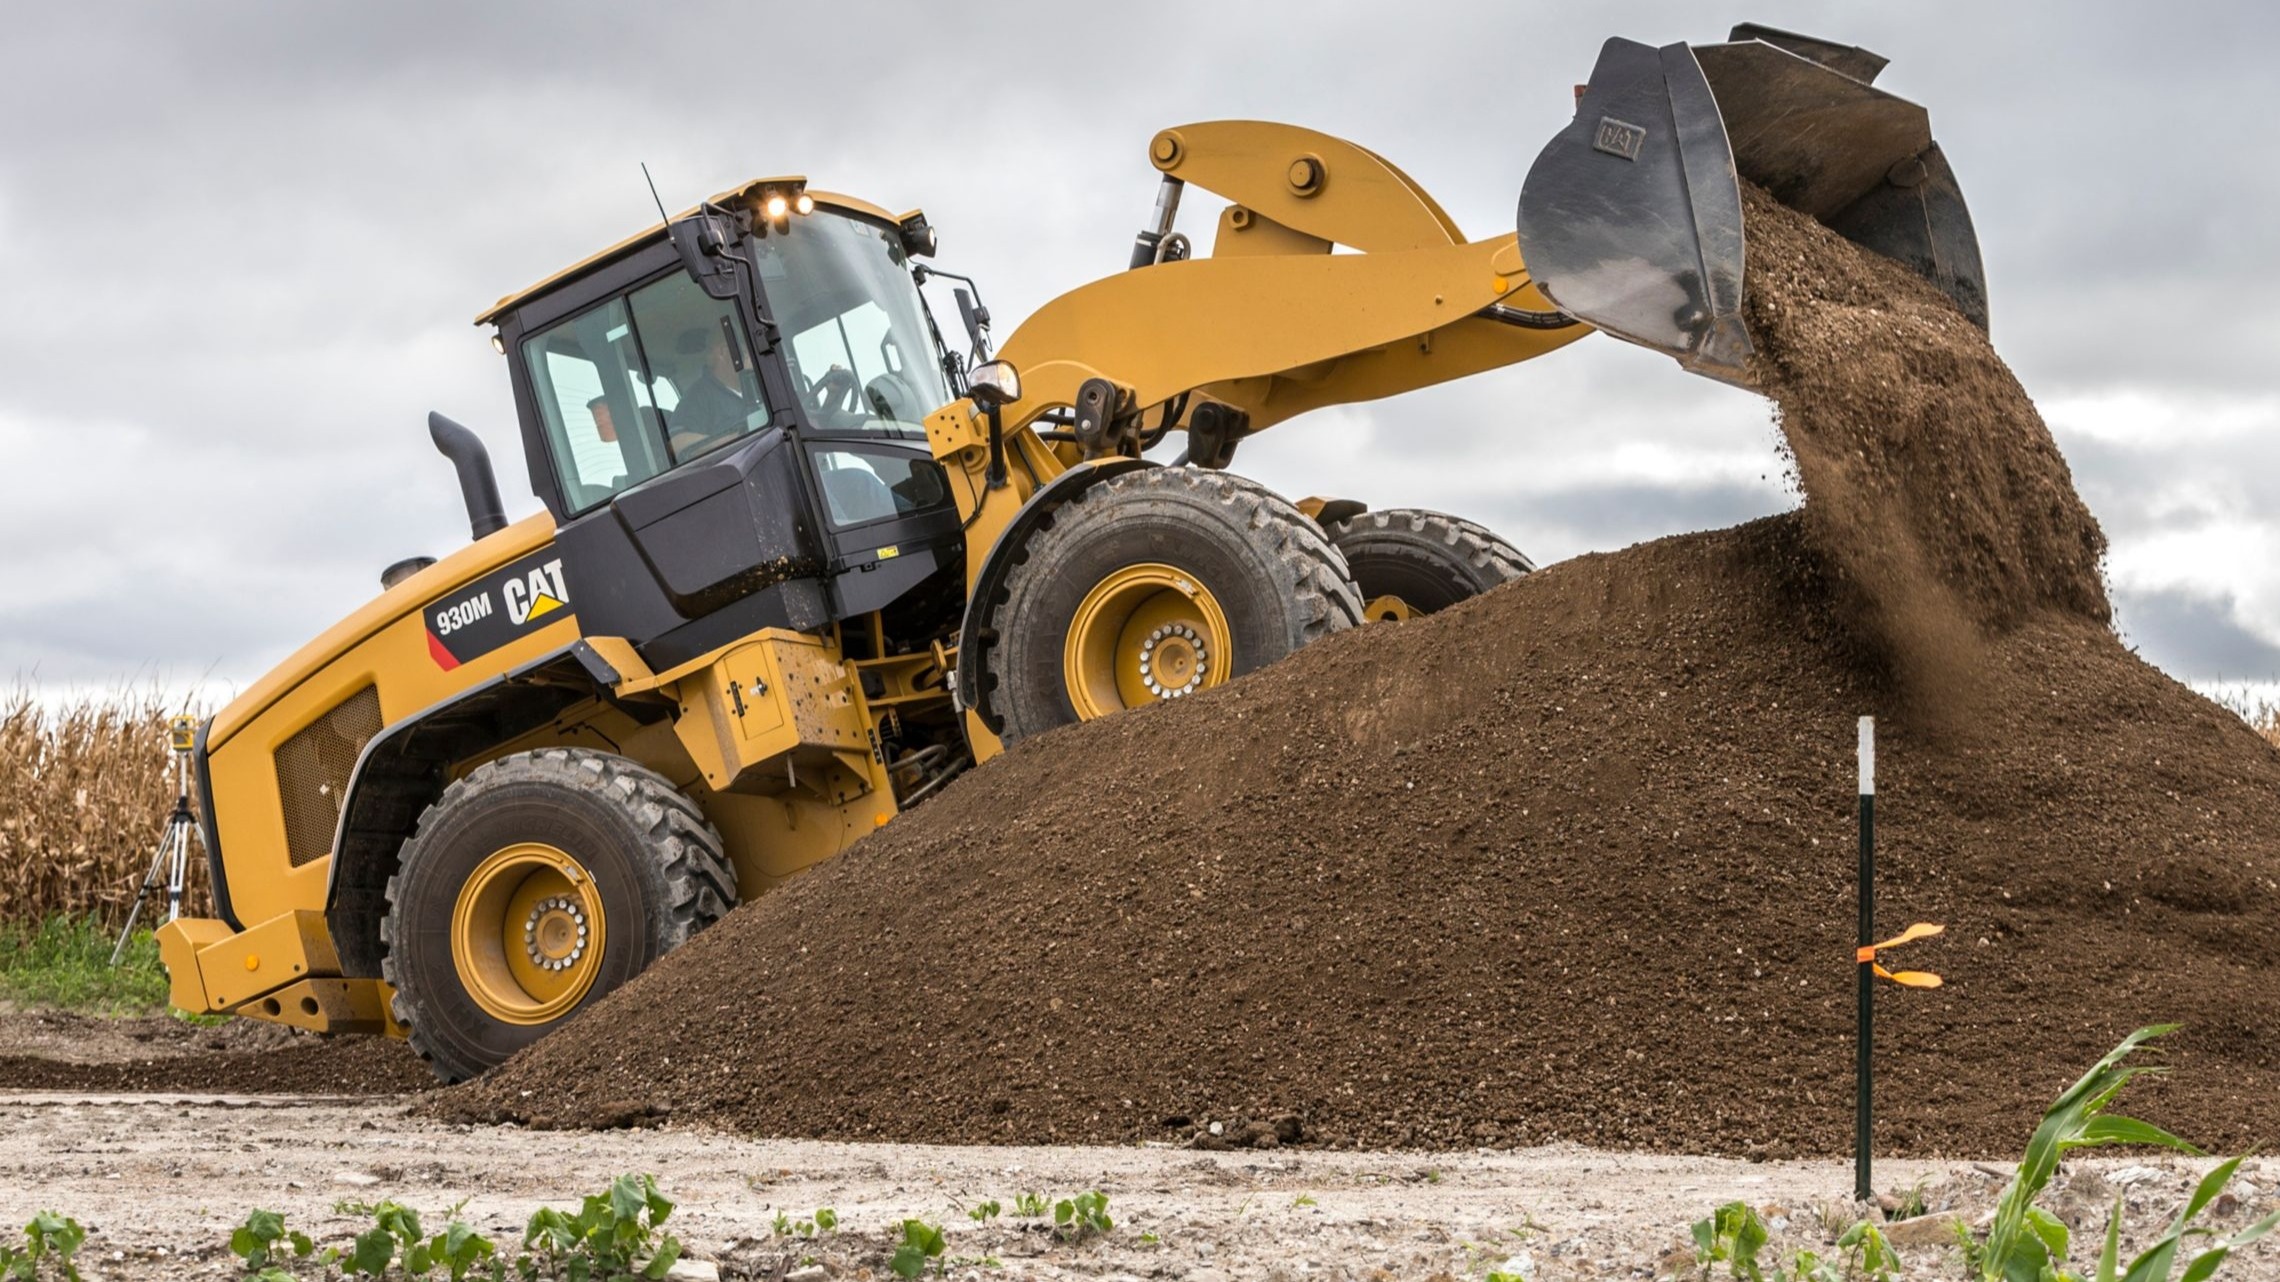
(534, 886)
(1408, 561)
(1152, 585)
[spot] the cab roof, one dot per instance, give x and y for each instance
(742, 195)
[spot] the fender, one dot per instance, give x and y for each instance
(975, 630)
(402, 770)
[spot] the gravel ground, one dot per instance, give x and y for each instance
(161, 1179)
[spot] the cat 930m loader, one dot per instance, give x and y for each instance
(801, 561)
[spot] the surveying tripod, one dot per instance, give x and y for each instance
(173, 858)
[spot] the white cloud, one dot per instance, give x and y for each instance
(240, 246)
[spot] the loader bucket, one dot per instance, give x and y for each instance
(1631, 218)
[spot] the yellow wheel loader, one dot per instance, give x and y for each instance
(802, 560)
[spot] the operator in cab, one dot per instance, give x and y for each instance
(712, 406)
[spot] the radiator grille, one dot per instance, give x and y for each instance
(312, 772)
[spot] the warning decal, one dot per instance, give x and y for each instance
(508, 603)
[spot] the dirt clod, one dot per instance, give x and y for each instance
(1571, 861)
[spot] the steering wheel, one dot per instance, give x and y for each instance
(837, 398)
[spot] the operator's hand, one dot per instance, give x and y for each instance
(836, 390)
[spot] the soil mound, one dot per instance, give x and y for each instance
(1572, 861)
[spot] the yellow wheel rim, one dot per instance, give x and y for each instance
(1144, 634)
(527, 934)
(1387, 609)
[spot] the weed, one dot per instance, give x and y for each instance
(921, 1242)
(1030, 1206)
(824, 1221)
(1867, 1254)
(1150, 1239)
(262, 1243)
(1074, 1217)
(983, 1211)
(614, 1234)
(1732, 1236)
(1911, 1204)
(394, 1226)
(65, 962)
(1304, 1199)
(1966, 1241)
(47, 1237)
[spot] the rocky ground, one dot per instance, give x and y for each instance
(160, 1181)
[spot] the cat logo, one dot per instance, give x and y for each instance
(501, 607)
(538, 594)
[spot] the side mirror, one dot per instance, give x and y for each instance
(993, 383)
(703, 241)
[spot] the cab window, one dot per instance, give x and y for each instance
(639, 384)
(863, 485)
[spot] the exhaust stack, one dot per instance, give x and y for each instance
(485, 514)
(1631, 217)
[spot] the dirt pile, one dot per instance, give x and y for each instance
(1936, 493)
(1572, 861)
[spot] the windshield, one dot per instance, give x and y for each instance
(860, 351)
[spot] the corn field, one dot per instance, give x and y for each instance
(85, 788)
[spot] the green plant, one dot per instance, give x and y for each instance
(1029, 1206)
(1911, 1204)
(1867, 1253)
(2028, 1244)
(1499, 1275)
(1074, 1217)
(262, 1243)
(920, 1242)
(394, 1226)
(1732, 1236)
(2025, 1241)
(47, 1236)
(1304, 1199)
(982, 1211)
(2155, 1263)
(613, 1235)
(65, 962)
(825, 1220)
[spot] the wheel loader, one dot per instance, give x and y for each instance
(803, 559)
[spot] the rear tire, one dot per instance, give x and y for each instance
(1428, 560)
(534, 886)
(1232, 576)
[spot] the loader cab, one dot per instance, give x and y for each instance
(726, 422)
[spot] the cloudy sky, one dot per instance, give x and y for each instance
(241, 244)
